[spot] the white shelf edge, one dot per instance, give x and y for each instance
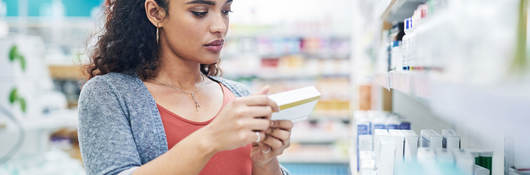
(411, 83)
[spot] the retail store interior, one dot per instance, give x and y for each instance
(407, 87)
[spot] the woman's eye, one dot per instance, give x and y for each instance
(199, 14)
(226, 12)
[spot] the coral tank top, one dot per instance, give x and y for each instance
(233, 162)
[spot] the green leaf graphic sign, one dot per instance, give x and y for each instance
(15, 55)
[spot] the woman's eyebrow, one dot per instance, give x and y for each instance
(207, 2)
(202, 2)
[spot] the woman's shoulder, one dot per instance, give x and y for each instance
(239, 89)
(117, 85)
(116, 81)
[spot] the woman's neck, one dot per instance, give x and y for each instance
(175, 71)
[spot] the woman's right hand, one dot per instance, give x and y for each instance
(237, 123)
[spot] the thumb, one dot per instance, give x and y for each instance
(265, 91)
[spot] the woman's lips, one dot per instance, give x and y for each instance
(215, 49)
(215, 46)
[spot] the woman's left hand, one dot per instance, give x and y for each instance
(276, 141)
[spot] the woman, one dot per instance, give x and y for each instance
(153, 104)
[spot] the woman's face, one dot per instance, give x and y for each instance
(195, 29)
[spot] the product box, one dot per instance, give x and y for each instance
(366, 163)
(399, 141)
(483, 158)
(378, 121)
(478, 170)
(426, 156)
(392, 122)
(381, 135)
(296, 104)
(430, 139)
(406, 144)
(444, 156)
(405, 125)
(364, 133)
(450, 139)
(364, 140)
(386, 158)
(464, 161)
(411, 144)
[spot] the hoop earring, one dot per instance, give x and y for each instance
(157, 35)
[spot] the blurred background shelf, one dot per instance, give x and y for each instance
(66, 72)
(314, 154)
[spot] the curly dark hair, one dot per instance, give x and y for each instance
(128, 43)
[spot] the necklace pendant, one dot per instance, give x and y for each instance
(197, 105)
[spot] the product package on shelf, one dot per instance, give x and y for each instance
(384, 146)
(364, 141)
(372, 128)
(386, 159)
(399, 142)
(430, 139)
(410, 144)
(450, 139)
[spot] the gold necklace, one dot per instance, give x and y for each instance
(191, 94)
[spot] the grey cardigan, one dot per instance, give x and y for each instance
(120, 127)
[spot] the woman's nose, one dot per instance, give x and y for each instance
(219, 25)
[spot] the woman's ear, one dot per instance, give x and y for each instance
(155, 13)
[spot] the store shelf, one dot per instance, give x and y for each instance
(312, 158)
(36, 131)
(48, 162)
(491, 116)
(320, 131)
(313, 154)
(78, 23)
(54, 120)
(499, 108)
(302, 76)
(411, 83)
(470, 88)
(73, 72)
(484, 114)
(286, 30)
(317, 137)
(458, 98)
(398, 10)
(330, 116)
(293, 76)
